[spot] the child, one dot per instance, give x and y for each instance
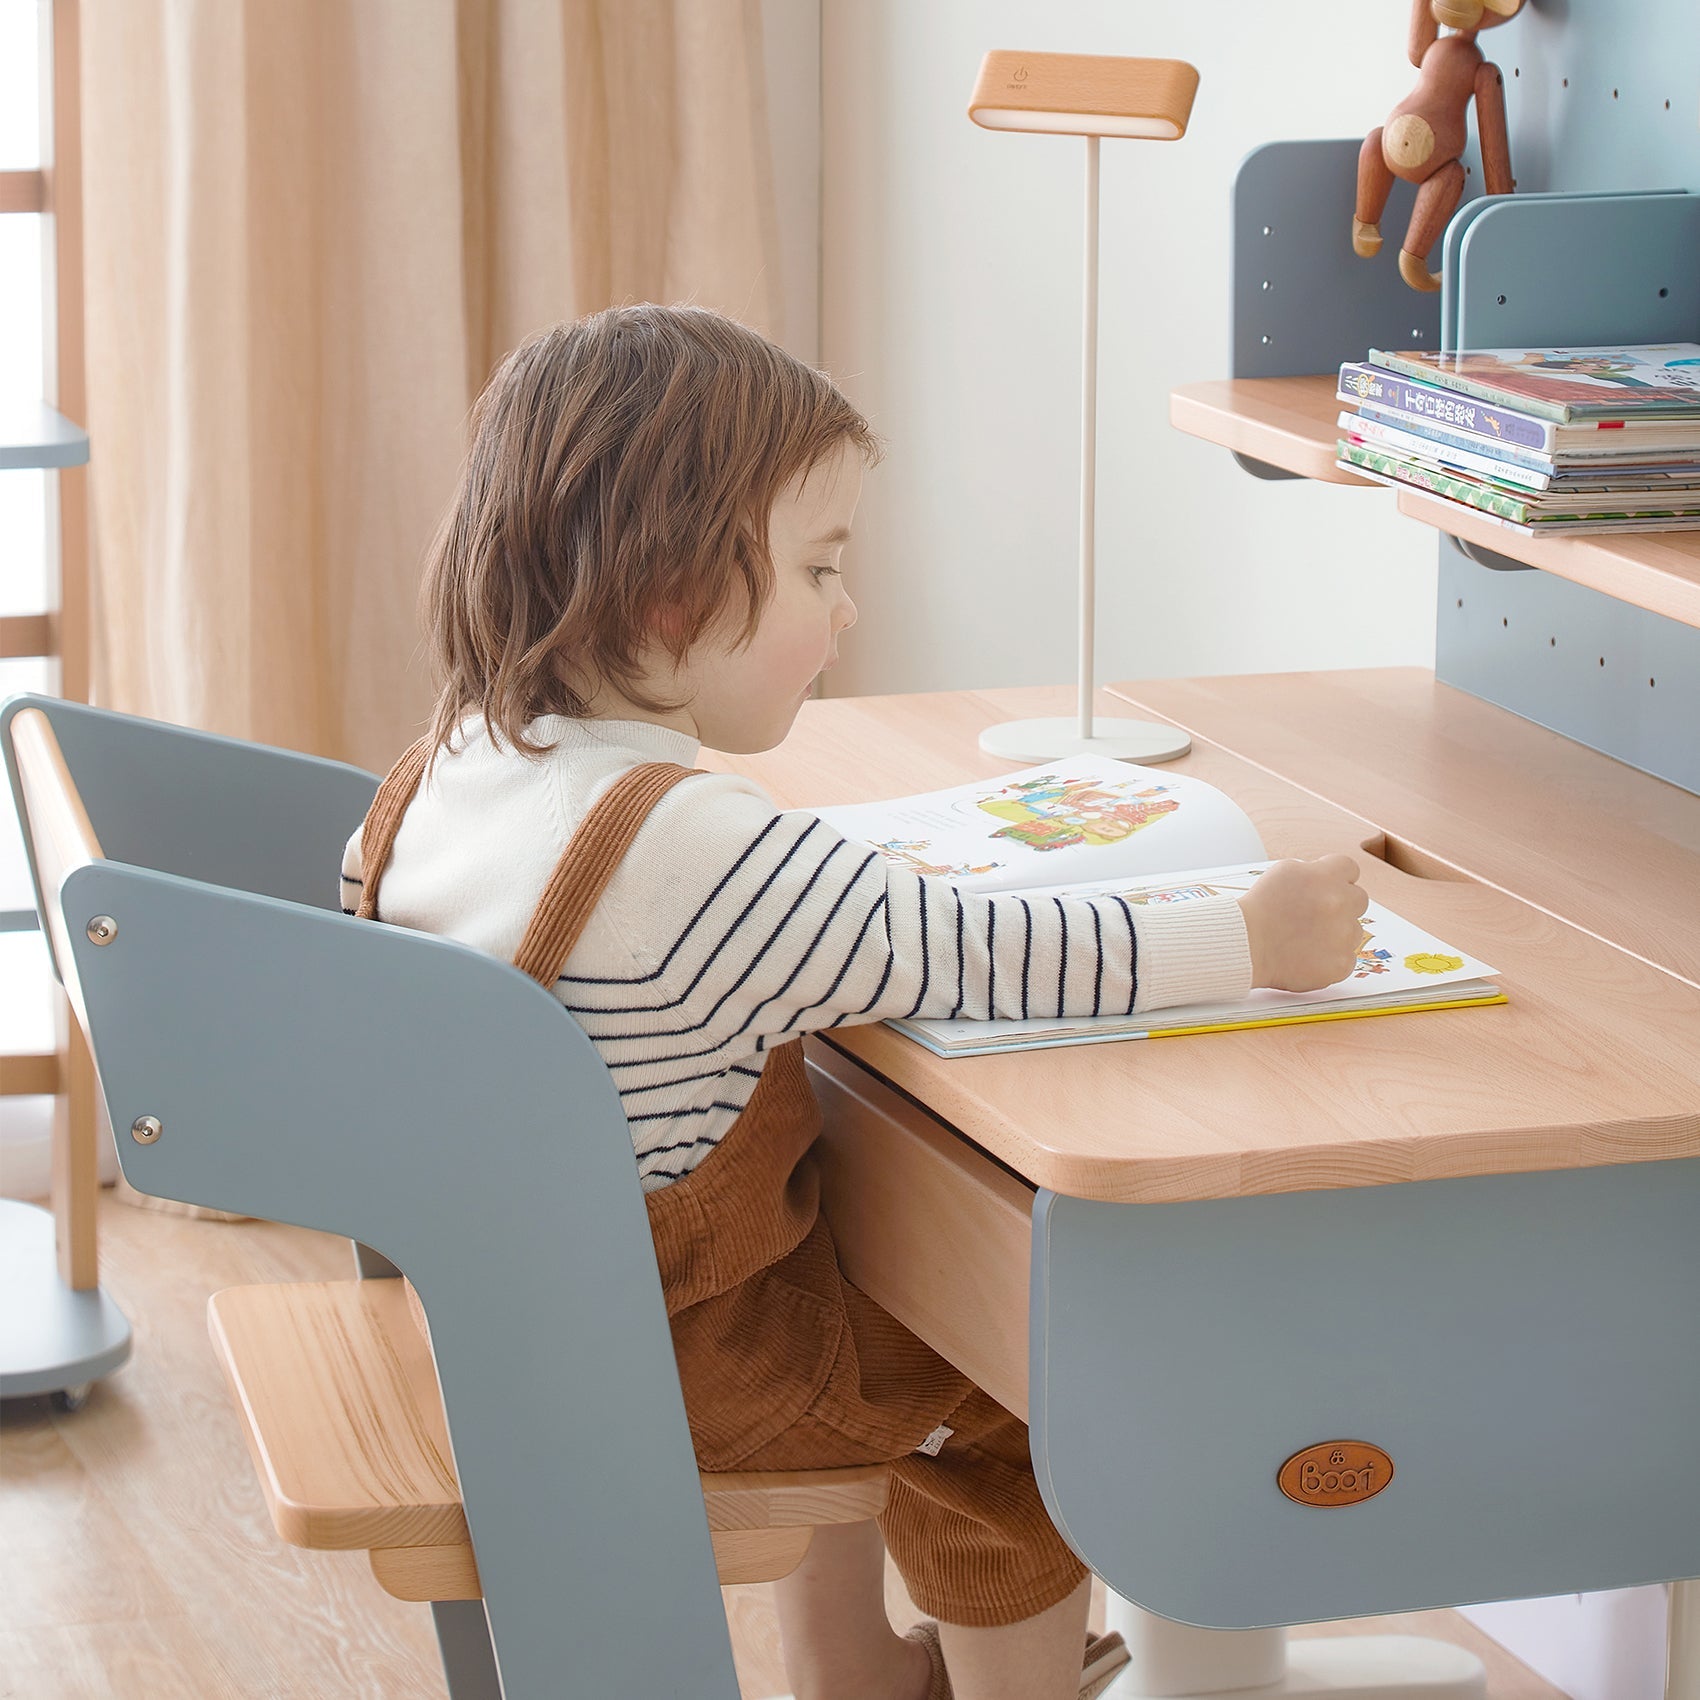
(643, 557)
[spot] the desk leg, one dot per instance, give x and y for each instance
(1682, 1666)
(1176, 1660)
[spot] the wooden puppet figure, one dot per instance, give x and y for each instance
(1425, 135)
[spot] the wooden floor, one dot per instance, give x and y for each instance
(137, 1561)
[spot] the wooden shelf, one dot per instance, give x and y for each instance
(1655, 570)
(1284, 422)
(33, 434)
(1290, 423)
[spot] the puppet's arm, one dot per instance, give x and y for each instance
(1491, 130)
(1424, 32)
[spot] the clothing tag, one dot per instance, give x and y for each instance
(934, 1442)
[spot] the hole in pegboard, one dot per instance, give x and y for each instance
(1500, 299)
(1652, 684)
(1614, 94)
(1504, 621)
(1663, 293)
(1552, 643)
(1602, 661)
(1460, 601)
(1517, 70)
(1267, 231)
(1266, 339)
(1266, 283)
(1667, 106)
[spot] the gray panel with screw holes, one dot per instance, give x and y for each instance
(1292, 247)
(1608, 674)
(1557, 269)
(1525, 1347)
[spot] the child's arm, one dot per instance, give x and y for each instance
(765, 925)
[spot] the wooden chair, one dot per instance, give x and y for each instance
(260, 1052)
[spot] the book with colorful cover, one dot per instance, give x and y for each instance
(1523, 472)
(1426, 405)
(1639, 381)
(1083, 826)
(1596, 511)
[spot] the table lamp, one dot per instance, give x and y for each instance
(1080, 94)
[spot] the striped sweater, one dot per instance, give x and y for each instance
(732, 926)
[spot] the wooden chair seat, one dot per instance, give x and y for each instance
(338, 1394)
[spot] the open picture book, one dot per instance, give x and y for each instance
(1086, 827)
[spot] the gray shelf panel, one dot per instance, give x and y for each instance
(32, 434)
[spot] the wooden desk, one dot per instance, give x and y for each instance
(1458, 782)
(1194, 1241)
(1594, 1060)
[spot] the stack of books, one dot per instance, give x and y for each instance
(1543, 441)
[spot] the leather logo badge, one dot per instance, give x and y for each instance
(1338, 1472)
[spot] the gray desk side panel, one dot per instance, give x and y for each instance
(1525, 1347)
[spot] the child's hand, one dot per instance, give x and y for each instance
(1301, 920)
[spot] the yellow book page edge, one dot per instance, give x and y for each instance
(1323, 1015)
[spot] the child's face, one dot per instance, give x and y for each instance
(744, 699)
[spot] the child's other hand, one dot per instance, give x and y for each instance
(1301, 920)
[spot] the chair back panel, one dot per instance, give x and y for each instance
(437, 1105)
(209, 808)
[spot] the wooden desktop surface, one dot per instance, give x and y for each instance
(1456, 779)
(1595, 1060)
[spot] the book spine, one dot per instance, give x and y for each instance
(1558, 411)
(1434, 446)
(1390, 393)
(1436, 483)
(1426, 430)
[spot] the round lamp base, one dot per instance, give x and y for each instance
(1116, 740)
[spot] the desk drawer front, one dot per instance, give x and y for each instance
(1525, 1348)
(926, 1226)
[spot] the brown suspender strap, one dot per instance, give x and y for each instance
(587, 864)
(383, 820)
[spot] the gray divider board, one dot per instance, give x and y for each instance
(1303, 301)
(1571, 270)
(443, 1109)
(1525, 1347)
(1608, 674)
(1577, 269)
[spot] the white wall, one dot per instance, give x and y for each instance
(950, 309)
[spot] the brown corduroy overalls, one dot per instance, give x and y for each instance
(784, 1364)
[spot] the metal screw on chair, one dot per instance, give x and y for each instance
(145, 1129)
(102, 930)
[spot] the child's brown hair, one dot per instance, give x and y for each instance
(620, 465)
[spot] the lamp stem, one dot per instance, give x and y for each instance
(1089, 440)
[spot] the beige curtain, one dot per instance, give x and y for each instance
(313, 227)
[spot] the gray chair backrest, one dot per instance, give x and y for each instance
(437, 1105)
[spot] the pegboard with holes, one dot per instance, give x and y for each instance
(1609, 675)
(1600, 244)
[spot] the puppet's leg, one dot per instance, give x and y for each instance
(1490, 126)
(1375, 184)
(1437, 199)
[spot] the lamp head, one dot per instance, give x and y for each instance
(1084, 94)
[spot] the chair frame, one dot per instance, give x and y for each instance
(420, 1112)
